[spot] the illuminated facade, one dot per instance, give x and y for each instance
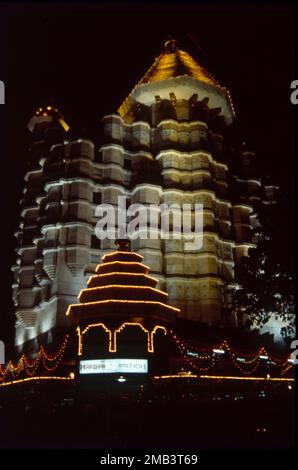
(164, 145)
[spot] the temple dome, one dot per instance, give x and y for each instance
(175, 62)
(176, 71)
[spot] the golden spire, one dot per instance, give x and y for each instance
(173, 62)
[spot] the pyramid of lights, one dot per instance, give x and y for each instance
(121, 287)
(121, 294)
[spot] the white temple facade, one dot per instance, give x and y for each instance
(164, 145)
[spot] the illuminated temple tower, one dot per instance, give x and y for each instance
(164, 145)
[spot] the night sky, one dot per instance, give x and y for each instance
(85, 59)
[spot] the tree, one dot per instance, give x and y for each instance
(265, 281)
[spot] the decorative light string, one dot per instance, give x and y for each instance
(183, 349)
(254, 360)
(113, 335)
(223, 377)
(27, 379)
(286, 369)
(30, 367)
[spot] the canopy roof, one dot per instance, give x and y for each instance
(121, 287)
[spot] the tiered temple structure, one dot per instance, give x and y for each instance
(164, 145)
(122, 290)
(121, 313)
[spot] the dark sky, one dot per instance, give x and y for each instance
(86, 58)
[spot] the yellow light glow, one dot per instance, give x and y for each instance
(183, 347)
(223, 377)
(124, 325)
(121, 273)
(121, 286)
(78, 330)
(174, 376)
(124, 263)
(64, 125)
(92, 325)
(30, 367)
(171, 65)
(157, 327)
(27, 379)
(113, 335)
(132, 302)
(113, 253)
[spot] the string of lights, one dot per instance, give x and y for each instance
(222, 377)
(183, 349)
(30, 367)
(113, 335)
(286, 369)
(233, 356)
(57, 358)
(222, 348)
(120, 273)
(27, 379)
(152, 303)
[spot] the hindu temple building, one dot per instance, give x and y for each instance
(164, 145)
(123, 330)
(123, 370)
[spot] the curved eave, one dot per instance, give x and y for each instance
(171, 65)
(104, 308)
(206, 89)
(125, 278)
(125, 266)
(121, 292)
(122, 256)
